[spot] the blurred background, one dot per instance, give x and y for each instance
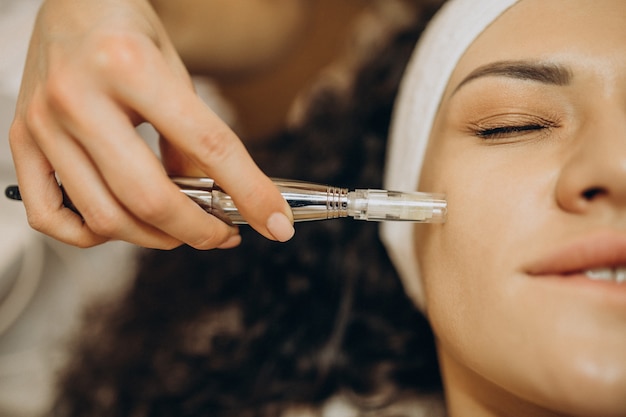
(46, 285)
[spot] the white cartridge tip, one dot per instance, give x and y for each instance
(383, 205)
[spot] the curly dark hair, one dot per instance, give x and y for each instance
(257, 329)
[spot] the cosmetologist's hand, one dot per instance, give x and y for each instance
(95, 70)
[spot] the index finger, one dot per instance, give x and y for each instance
(193, 128)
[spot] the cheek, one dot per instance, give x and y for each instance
(456, 258)
(469, 264)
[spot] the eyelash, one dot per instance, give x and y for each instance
(500, 132)
(508, 130)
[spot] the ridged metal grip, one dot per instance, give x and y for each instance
(307, 201)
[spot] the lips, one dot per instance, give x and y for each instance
(598, 257)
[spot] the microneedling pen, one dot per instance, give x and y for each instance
(309, 201)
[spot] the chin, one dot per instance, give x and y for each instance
(584, 377)
(576, 356)
(591, 401)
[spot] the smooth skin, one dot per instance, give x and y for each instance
(91, 76)
(535, 174)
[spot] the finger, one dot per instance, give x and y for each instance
(215, 149)
(181, 116)
(138, 181)
(175, 162)
(101, 212)
(41, 194)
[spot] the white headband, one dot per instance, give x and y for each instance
(445, 40)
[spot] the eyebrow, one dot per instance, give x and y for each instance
(542, 72)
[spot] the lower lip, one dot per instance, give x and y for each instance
(609, 291)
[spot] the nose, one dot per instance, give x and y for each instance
(593, 177)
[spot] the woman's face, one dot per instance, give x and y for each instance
(530, 147)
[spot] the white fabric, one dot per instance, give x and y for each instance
(445, 40)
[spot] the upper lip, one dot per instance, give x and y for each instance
(599, 250)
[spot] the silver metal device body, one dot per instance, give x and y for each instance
(308, 201)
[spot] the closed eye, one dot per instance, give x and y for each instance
(512, 126)
(507, 131)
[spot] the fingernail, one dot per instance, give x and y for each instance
(280, 227)
(231, 242)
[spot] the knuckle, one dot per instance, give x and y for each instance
(205, 243)
(38, 220)
(44, 222)
(34, 121)
(154, 208)
(118, 53)
(60, 93)
(211, 239)
(102, 221)
(215, 146)
(17, 132)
